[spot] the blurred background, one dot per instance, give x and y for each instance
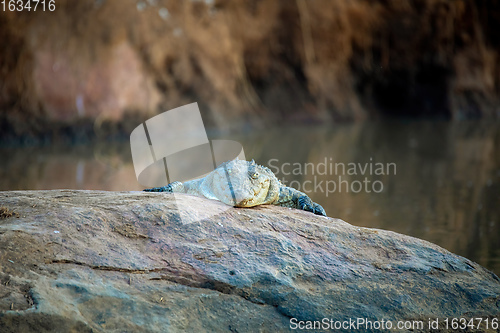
(414, 82)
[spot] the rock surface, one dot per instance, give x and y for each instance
(82, 261)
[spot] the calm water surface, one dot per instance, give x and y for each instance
(432, 180)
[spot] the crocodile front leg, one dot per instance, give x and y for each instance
(290, 197)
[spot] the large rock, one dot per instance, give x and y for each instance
(81, 261)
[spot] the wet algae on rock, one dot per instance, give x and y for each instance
(82, 261)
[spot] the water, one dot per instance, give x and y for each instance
(437, 181)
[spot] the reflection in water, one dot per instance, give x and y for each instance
(445, 186)
(100, 167)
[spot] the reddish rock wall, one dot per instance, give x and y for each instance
(249, 61)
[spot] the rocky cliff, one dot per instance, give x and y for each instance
(82, 261)
(90, 63)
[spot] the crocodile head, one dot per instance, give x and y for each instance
(241, 183)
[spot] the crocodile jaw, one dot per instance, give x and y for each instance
(235, 186)
(251, 195)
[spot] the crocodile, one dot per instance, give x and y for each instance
(241, 183)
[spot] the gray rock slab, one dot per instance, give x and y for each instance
(91, 261)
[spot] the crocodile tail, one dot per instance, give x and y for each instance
(159, 189)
